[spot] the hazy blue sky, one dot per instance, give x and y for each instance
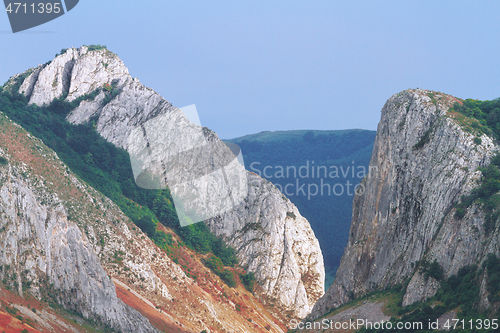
(251, 66)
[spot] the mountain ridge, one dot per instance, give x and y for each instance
(83, 76)
(427, 157)
(288, 134)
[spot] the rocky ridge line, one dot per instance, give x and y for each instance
(271, 237)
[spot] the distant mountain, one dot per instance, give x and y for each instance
(303, 162)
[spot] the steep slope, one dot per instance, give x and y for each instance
(42, 250)
(423, 162)
(326, 160)
(297, 263)
(65, 243)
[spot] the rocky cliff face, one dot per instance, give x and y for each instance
(275, 241)
(65, 243)
(421, 164)
(272, 239)
(42, 251)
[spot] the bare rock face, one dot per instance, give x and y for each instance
(272, 239)
(65, 243)
(73, 74)
(42, 251)
(275, 241)
(421, 164)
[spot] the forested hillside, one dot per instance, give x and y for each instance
(309, 161)
(107, 168)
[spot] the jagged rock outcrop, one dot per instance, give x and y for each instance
(422, 163)
(270, 236)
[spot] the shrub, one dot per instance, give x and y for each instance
(248, 281)
(486, 194)
(228, 276)
(433, 270)
(493, 266)
(215, 264)
(198, 237)
(61, 52)
(225, 253)
(94, 47)
(460, 213)
(148, 225)
(461, 289)
(424, 139)
(3, 161)
(162, 239)
(11, 310)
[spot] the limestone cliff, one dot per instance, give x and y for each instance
(63, 242)
(272, 239)
(422, 163)
(42, 249)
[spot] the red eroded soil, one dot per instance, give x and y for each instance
(159, 319)
(9, 324)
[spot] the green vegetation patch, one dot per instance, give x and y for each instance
(478, 117)
(492, 264)
(486, 195)
(216, 265)
(459, 292)
(248, 281)
(424, 138)
(433, 270)
(432, 96)
(94, 47)
(107, 168)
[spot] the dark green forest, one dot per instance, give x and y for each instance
(108, 169)
(329, 214)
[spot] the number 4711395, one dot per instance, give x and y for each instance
(41, 8)
(477, 324)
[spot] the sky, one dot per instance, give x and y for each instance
(252, 66)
